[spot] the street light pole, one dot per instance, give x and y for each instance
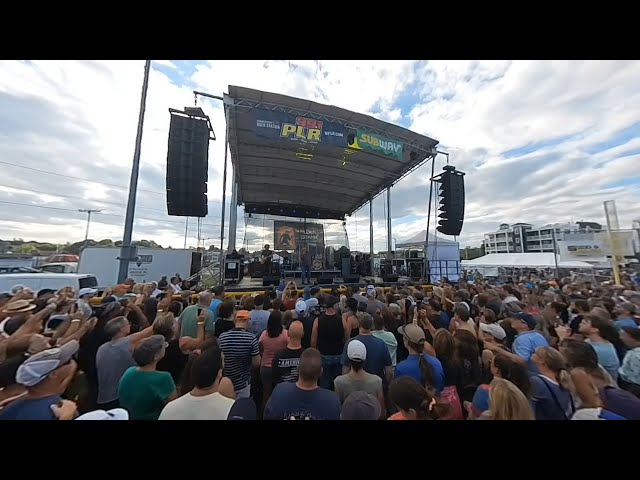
(88, 211)
(126, 251)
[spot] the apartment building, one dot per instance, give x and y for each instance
(524, 237)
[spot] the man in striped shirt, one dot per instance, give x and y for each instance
(241, 353)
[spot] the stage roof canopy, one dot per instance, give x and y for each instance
(299, 158)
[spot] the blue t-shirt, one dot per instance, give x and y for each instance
(411, 368)
(525, 344)
(214, 307)
(287, 400)
(377, 355)
(31, 409)
(607, 357)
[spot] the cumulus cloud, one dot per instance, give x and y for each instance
(540, 141)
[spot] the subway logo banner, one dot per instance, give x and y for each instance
(374, 143)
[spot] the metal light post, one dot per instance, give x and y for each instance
(88, 211)
(126, 250)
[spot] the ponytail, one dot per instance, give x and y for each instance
(565, 381)
(427, 374)
(432, 409)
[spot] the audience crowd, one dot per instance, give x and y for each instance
(525, 349)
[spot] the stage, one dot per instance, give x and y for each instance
(252, 285)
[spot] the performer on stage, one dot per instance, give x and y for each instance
(266, 258)
(305, 266)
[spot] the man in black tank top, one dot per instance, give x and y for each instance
(328, 338)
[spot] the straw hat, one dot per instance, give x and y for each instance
(19, 306)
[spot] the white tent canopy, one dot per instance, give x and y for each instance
(522, 260)
(418, 240)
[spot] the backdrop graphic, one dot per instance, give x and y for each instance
(298, 129)
(296, 236)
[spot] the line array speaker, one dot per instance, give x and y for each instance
(451, 201)
(187, 166)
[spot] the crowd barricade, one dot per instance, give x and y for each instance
(237, 296)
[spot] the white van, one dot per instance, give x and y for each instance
(54, 281)
(60, 267)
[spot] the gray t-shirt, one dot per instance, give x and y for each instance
(372, 304)
(258, 322)
(345, 385)
(112, 360)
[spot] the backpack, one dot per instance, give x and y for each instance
(620, 402)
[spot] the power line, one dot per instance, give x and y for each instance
(101, 213)
(75, 197)
(87, 180)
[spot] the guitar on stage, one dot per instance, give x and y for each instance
(266, 258)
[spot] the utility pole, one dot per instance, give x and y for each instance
(126, 250)
(88, 211)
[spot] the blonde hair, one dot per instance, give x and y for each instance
(137, 288)
(507, 402)
(555, 362)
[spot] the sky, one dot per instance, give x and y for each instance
(539, 141)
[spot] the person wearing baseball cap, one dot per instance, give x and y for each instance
(425, 369)
(361, 406)
(357, 379)
(527, 340)
(46, 376)
(84, 307)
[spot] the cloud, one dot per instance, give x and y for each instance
(539, 141)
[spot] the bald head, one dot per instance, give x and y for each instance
(296, 330)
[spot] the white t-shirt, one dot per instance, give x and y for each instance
(210, 407)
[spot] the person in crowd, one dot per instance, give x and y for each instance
(358, 379)
(625, 315)
(503, 367)
(468, 352)
(286, 362)
(593, 330)
(205, 401)
(380, 320)
(415, 402)
(174, 359)
(507, 402)
(420, 366)
(445, 346)
(327, 335)
(114, 357)
(350, 319)
(218, 297)
(629, 373)
(82, 304)
(272, 340)
(378, 360)
(527, 340)
(259, 316)
(304, 400)
(241, 354)
(552, 388)
(188, 320)
(46, 375)
(144, 391)
(462, 319)
(225, 321)
(361, 406)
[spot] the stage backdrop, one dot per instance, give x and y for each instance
(296, 236)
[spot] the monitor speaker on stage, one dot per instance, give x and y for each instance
(187, 165)
(325, 280)
(389, 278)
(351, 279)
(268, 281)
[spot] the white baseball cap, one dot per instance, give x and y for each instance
(301, 306)
(356, 351)
(494, 330)
(115, 414)
(87, 291)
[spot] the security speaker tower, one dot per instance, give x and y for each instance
(451, 193)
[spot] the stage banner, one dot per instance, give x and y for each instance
(375, 143)
(298, 129)
(296, 236)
